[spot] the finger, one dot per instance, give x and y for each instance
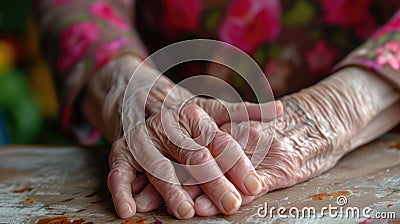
(140, 182)
(204, 206)
(178, 200)
(249, 198)
(193, 190)
(256, 142)
(119, 180)
(148, 199)
(223, 112)
(159, 169)
(220, 189)
(227, 152)
(201, 164)
(241, 173)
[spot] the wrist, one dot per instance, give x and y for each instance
(145, 94)
(103, 95)
(337, 110)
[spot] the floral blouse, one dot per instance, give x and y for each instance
(295, 42)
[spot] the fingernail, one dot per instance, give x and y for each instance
(185, 209)
(229, 201)
(143, 201)
(124, 210)
(204, 202)
(252, 184)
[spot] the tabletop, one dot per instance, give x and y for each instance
(46, 184)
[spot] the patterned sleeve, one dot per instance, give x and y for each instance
(380, 53)
(78, 37)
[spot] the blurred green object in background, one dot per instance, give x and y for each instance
(19, 108)
(28, 102)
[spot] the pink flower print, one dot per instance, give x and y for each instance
(76, 39)
(108, 50)
(389, 54)
(181, 15)
(106, 12)
(344, 12)
(248, 24)
(320, 58)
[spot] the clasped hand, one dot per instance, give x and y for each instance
(178, 152)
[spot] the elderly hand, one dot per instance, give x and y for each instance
(319, 125)
(162, 122)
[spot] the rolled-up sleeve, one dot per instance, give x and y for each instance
(77, 37)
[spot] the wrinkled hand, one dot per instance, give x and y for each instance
(161, 122)
(154, 144)
(319, 125)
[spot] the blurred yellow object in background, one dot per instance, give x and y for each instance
(43, 89)
(7, 56)
(40, 76)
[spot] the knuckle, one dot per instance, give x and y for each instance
(221, 142)
(197, 157)
(120, 143)
(226, 127)
(190, 107)
(160, 168)
(255, 129)
(121, 156)
(191, 111)
(117, 149)
(119, 174)
(255, 139)
(120, 163)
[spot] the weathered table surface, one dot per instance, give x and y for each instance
(69, 183)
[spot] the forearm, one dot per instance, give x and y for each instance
(383, 99)
(381, 124)
(349, 101)
(372, 91)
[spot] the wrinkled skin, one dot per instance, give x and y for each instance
(159, 126)
(318, 127)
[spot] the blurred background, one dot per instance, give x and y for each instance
(28, 102)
